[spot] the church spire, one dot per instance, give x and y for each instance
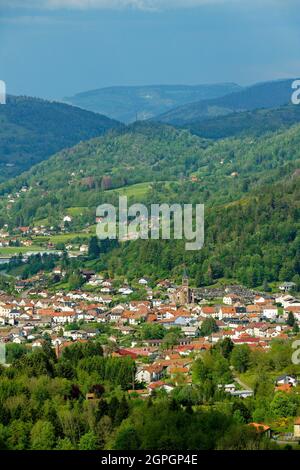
(185, 277)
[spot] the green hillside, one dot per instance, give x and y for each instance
(84, 175)
(87, 174)
(31, 130)
(256, 123)
(140, 153)
(127, 104)
(262, 95)
(250, 187)
(255, 241)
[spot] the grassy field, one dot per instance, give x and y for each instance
(76, 211)
(10, 250)
(248, 378)
(137, 190)
(41, 223)
(72, 211)
(67, 237)
(40, 243)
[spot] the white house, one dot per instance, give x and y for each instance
(18, 340)
(230, 299)
(95, 280)
(116, 313)
(63, 317)
(288, 301)
(270, 312)
(85, 316)
(125, 291)
(287, 286)
(259, 299)
(286, 379)
(190, 331)
(228, 388)
(5, 309)
(149, 374)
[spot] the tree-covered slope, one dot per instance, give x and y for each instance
(262, 95)
(160, 155)
(31, 130)
(81, 176)
(250, 187)
(142, 152)
(127, 104)
(254, 241)
(256, 123)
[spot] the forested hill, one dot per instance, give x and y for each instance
(31, 130)
(262, 95)
(250, 187)
(142, 152)
(158, 155)
(254, 241)
(128, 103)
(256, 123)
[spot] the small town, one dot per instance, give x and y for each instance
(164, 332)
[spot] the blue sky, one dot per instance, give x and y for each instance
(54, 48)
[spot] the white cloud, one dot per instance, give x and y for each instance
(146, 5)
(111, 4)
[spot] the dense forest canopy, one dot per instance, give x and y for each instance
(85, 401)
(31, 130)
(255, 123)
(250, 187)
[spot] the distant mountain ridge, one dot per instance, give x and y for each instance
(130, 103)
(261, 95)
(32, 129)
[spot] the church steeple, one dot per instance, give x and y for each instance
(183, 294)
(185, 278)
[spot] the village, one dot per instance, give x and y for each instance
(44, 238)
(164, 332)
(243, 317)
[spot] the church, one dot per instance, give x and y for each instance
(183, 294)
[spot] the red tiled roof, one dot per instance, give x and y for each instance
(284, 388)
(260, 427)
(208, 310)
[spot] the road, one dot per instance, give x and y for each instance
(238, 380)
(242, 384)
